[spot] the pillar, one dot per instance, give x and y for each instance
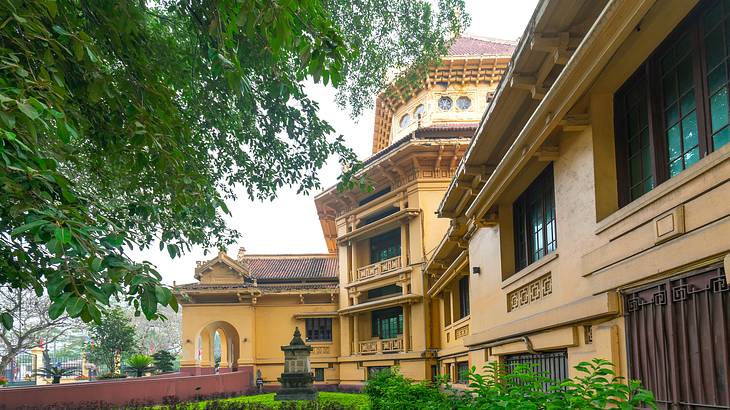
(84, 368)
(37, 353)
(355, 334)
(353, 251)
(224, 366)
(406, 327)
(404, 248)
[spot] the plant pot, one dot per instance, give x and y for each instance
(56, 380)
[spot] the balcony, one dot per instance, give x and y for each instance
(378, 268)
(375, 346)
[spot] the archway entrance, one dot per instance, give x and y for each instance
(218, 348)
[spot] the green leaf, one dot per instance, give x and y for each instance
(28, 110)
(56, 309)
(29, 226)
(163, 295)
(63, 235)
(75, 305)
(7, 320)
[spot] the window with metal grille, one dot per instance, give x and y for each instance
(553, 365)
(462, 372)
(373, 370)
(319, 329)
(534, 220)
(319, 374)
(674, 110)
(463, 297)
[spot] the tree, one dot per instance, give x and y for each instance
(154, 335)
(111, 339)
(140, 364)
(32, 324)
(164, 361)
(129, 123)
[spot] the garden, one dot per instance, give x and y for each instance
(522, 387)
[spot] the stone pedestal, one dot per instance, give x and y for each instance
(296, 381)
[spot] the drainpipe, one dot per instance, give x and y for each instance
(528, 344)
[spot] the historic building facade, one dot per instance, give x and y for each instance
(364, 306)
(590, 215)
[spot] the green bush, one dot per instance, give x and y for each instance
(107, 376)
(164, 361)
(597, 387)
(388, 389)
(140, 364)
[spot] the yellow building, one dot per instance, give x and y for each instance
(590, 215)
(369, 292)
(254, 303)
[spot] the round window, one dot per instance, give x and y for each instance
(463, 103)
(405, 121)
(418, 112)
(445, 103)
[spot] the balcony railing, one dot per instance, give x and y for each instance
(374, 346)
(378, 268)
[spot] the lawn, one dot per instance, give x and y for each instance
(350, 400)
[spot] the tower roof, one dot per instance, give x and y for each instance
(481, 46)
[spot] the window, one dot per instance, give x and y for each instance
(373, 370)
(419, 111)
(384, 291)
(385, 246)
(534, 220)
(445, 103)
(319, 329)
(373, 196)
(463, 297)
(378, 216)
(553, 365)
(490, 96)
(674, 110)
(319, 374)
(387, 323)
(405, 121)
(462, 370)
(463, 103)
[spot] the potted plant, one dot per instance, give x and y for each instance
(3, 381)
(140, 364)
(55, 373)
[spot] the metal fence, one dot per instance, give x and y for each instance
(20, 369)
(553, 365)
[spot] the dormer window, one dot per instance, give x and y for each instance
(405, 121)
(419, 111)
(463, 103)
(445, 103)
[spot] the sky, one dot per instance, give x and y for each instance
(289, 224)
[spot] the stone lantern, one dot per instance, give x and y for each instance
(296, 381)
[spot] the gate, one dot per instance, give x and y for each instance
(677, 339)
(553, 365)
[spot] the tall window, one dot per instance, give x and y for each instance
(385, 246)
(387, 323)
(674, 110)
(534, 220)
(463, 297)
(319, 329)
(462, 372)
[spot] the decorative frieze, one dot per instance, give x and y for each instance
(320, 349)
(461, 332)
(530, 293)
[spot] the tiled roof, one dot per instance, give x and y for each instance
(474, 46)
(292, 267)
(269, 288)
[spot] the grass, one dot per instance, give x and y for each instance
(355, 400)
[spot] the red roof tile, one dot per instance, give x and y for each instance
(292, 267)
(474, 46)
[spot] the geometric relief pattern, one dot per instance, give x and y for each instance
(530, 293)
(677, 290)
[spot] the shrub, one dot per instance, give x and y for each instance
(522, 387)
(55, 373)
(388, 389)
(140, 364)
(107, 376)
(164, 361)
(3, 381)
(597, 387)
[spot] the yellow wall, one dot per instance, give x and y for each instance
(601, 249)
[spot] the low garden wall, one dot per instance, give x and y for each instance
(124, 391)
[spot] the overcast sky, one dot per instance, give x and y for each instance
(289, 224)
